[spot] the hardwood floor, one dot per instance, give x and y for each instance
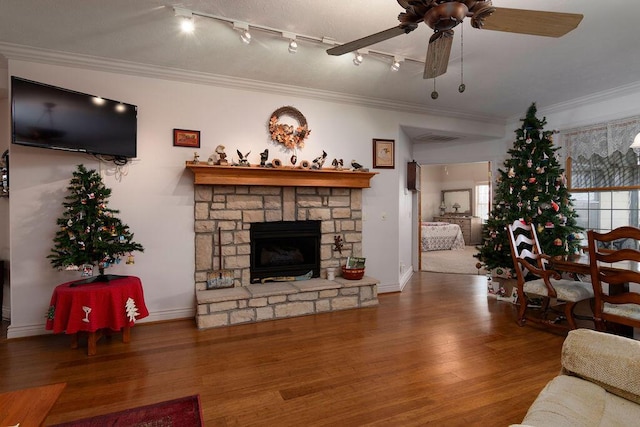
(440, 353)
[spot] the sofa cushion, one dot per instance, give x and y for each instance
(608, 360)
(570, 401)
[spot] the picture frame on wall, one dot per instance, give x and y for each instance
(186, 138)
(384, 153)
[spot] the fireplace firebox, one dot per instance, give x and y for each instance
(284, 248)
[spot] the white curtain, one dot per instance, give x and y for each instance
(602, 139)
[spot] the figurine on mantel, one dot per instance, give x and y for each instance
(243, 160)
(319, 161)
(222, 156)
(337, 164)
(196, 158)
(264, 156)
(357, 166)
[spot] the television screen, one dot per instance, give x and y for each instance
(52, 117)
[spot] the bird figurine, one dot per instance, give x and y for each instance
(355, 165)
(264, 156)
(337, 164)
(319, 161)
(243, 160)
(222, 156)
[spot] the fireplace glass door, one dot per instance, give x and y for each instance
(284, 249)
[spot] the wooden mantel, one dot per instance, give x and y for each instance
(278, 177)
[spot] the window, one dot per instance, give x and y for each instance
(606, 210)
(604, 174)
(482, 200)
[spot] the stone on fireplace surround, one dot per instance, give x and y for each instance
(277, 300)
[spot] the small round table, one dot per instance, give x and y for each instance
(95, 307)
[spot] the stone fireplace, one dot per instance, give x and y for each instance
(235, 206)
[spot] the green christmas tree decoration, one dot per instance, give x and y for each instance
(532, 187)
(90, 234)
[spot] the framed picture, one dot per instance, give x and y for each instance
(384, 153)
(186, 138)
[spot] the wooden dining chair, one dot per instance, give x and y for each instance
(544, 297)
(615, 307)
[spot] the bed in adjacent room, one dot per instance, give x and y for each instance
(439, 236)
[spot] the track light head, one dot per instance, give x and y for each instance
(293, 46)
(243, 28)
(187, 24)
(395, 65)
(357, 60)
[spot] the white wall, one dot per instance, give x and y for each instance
(155, 197)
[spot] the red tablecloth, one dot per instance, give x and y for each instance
(90, 307)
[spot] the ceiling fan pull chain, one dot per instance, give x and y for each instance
(434, 94)
(462, 86)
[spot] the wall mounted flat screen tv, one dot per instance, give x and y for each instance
(52, 117)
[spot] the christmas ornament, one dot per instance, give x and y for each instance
(558, 242)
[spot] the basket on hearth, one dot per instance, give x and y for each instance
(352, 273)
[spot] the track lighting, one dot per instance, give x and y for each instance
(186, 19)
(357, 60)
(293, 45)
(243, 28)
(395, 65)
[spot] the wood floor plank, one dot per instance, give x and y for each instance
(439, 353)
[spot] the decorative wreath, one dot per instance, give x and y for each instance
(285, 134)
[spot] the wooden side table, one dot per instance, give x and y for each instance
(28, 407)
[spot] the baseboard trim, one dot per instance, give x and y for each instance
(24, 331)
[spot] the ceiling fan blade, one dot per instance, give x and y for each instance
(438, 54)
(369, 40)
(533, 22)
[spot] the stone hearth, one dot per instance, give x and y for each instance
(230, 209)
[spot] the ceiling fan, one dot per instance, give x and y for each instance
(443, 15)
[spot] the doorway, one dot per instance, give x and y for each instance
(443, 220)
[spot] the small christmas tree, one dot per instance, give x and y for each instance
(532, 187)
(90, 234)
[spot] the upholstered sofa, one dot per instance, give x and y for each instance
(599, 384)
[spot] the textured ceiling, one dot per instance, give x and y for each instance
(503, 72)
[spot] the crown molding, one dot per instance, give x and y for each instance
(51, 57)
(588, 100)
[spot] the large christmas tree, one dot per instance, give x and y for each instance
(89, 233)
(531, 187)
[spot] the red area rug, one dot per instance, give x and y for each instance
(183, 412)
